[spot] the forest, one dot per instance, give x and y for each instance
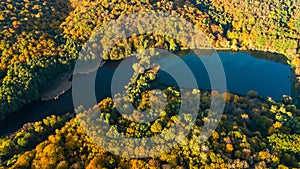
(41, 39)
(36, 50)
(254, 132)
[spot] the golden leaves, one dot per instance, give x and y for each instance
(229, 148)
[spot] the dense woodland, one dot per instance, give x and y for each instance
(40, 39)
(254, 132)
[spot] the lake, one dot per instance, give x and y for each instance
(243, 73)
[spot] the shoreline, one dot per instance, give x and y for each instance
(58, 87)
(62, 84)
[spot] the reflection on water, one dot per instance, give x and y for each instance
(243, 73)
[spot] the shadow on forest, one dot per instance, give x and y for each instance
(52, 14)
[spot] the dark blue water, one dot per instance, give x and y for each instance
(243, 73)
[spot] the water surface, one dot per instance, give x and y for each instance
(243, 73)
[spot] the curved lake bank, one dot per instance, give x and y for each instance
(243, 73)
